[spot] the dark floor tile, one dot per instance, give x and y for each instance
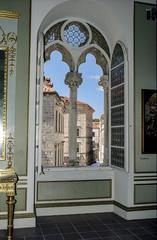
(79, 222)
(27, 232)
(19, 238)
(91, 239)
(107, 226)
(47, 219)
(67, 224)
(116, 226)
(111, 238)
(139, 231)
(50, 230)
(150, 228)
(121, 232)
(71, 236)
(15, 238)
(109, 221)
(3, 233)
(53, 237)
(107, 233)
(94, 221)
(35, 238)
(128, 237)
(100, 227)
(67, 229)
(89, 235)
(86, 228)
(147, 237)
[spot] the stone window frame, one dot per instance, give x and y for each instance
(96, 51)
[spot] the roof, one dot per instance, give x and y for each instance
(79, 103)
(96, 125)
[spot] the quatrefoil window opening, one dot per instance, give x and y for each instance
(75, 34)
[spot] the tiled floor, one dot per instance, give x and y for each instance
(107, 226)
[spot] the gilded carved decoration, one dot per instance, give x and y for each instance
(9, 14)
(8, 181)
(8, 177)
(9, 40)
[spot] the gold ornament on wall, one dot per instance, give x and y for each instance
(9, 40)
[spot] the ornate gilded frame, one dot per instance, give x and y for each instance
(3, 99)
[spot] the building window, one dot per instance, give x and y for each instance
(56, 120)
(78, 147)
(78, 132)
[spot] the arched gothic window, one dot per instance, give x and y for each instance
(118, 108)
(74, 39)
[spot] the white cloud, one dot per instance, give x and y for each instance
(100, 88)
(95, 77)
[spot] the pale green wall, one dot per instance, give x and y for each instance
(144, 78)
(21, 200)
(145, 193)
(68, 190)
(22, 81)
(21, 96)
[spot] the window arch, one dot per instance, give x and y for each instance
(118, 112)
(74, 39)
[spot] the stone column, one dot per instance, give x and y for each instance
(104, 83)
(73, 80)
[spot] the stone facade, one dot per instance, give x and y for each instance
(52, 126)
(84, 133)
(55, 129)
(101, 140)
(96, 139)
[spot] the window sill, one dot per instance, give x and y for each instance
(88, 168)
(76, 173)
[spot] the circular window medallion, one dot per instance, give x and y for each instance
(75, 34)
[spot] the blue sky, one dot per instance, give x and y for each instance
(89, 91)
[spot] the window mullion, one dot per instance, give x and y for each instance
(40, 103)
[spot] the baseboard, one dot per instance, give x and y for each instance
(74, 210)
(128, 213)
(136, 213)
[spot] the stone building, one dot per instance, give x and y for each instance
(52, 126)
(101, 140)
(84, 133)
(95, 139)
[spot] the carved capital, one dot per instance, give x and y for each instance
(104, 82)
(73, 79)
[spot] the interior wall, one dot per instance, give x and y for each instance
(24, 205)
(144, 78)
(115, 20)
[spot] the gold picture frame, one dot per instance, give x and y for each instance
(3, 100)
